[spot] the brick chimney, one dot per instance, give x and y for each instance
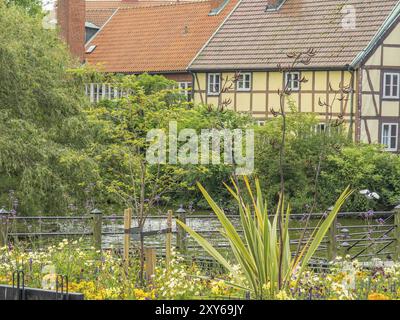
(71, 20)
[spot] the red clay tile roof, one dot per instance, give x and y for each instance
(162, 38)
(99, 11)
(108, 4)
(99, 16)
(114, 4)
(254, 39)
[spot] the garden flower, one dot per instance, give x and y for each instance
(282, 295)
(377, 296)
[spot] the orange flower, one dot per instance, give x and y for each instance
(377, 296)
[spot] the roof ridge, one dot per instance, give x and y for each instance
(100, 9)
(166, 4)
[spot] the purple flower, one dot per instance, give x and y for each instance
(380, 221)
(370, 213)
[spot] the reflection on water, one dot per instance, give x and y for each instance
(206, 224)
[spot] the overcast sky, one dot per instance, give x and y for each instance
(48, 4)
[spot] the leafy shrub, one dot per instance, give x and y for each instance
(332, 157)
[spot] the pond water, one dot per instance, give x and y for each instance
(370, 232)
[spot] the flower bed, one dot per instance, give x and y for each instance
(103, 275)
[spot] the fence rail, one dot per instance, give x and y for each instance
(375, 236)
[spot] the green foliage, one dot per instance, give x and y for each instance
(263, 254)
(33, 71)
(329, 159)
(120, 147)
(364, 167)
(56, 150)
(32, 7)
(42, 126)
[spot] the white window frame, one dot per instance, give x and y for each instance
(261, 123)
(388, 148)
(289, 83)
(242, 81)
(212, 84)
(392, 75)
(185, 89)
(103, 91)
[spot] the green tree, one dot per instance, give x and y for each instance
(364, 167)
(32, 7)
(345, 163)
(121, 143)
(42, 125)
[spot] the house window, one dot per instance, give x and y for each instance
(292, 81)
(390, 136)
(261, 123)
(95, 92)
(214, 83)
(244, 81)
(106, 91)
(321, 127)
(98, 91)
(391, 84)
(185, 89)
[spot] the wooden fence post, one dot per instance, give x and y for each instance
(150, 258)
(4, 222)
(127, 234)
(168, 240)
(181, 233)
(397, 233)
(97, 217)
(332, 240)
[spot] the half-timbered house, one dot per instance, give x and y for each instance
(356, 45)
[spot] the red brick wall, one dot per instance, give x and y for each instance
(179, 77)
(71, 20)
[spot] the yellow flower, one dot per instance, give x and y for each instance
(377, 296)
(282, 295)
(219, 288)
(267, 286)
(5, 280)
(142, 295)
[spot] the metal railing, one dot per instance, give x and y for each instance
(377, 235)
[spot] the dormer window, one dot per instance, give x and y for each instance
(91, 49)
(217, 7)
(274, 5)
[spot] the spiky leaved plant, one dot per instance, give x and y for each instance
(258, 251)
